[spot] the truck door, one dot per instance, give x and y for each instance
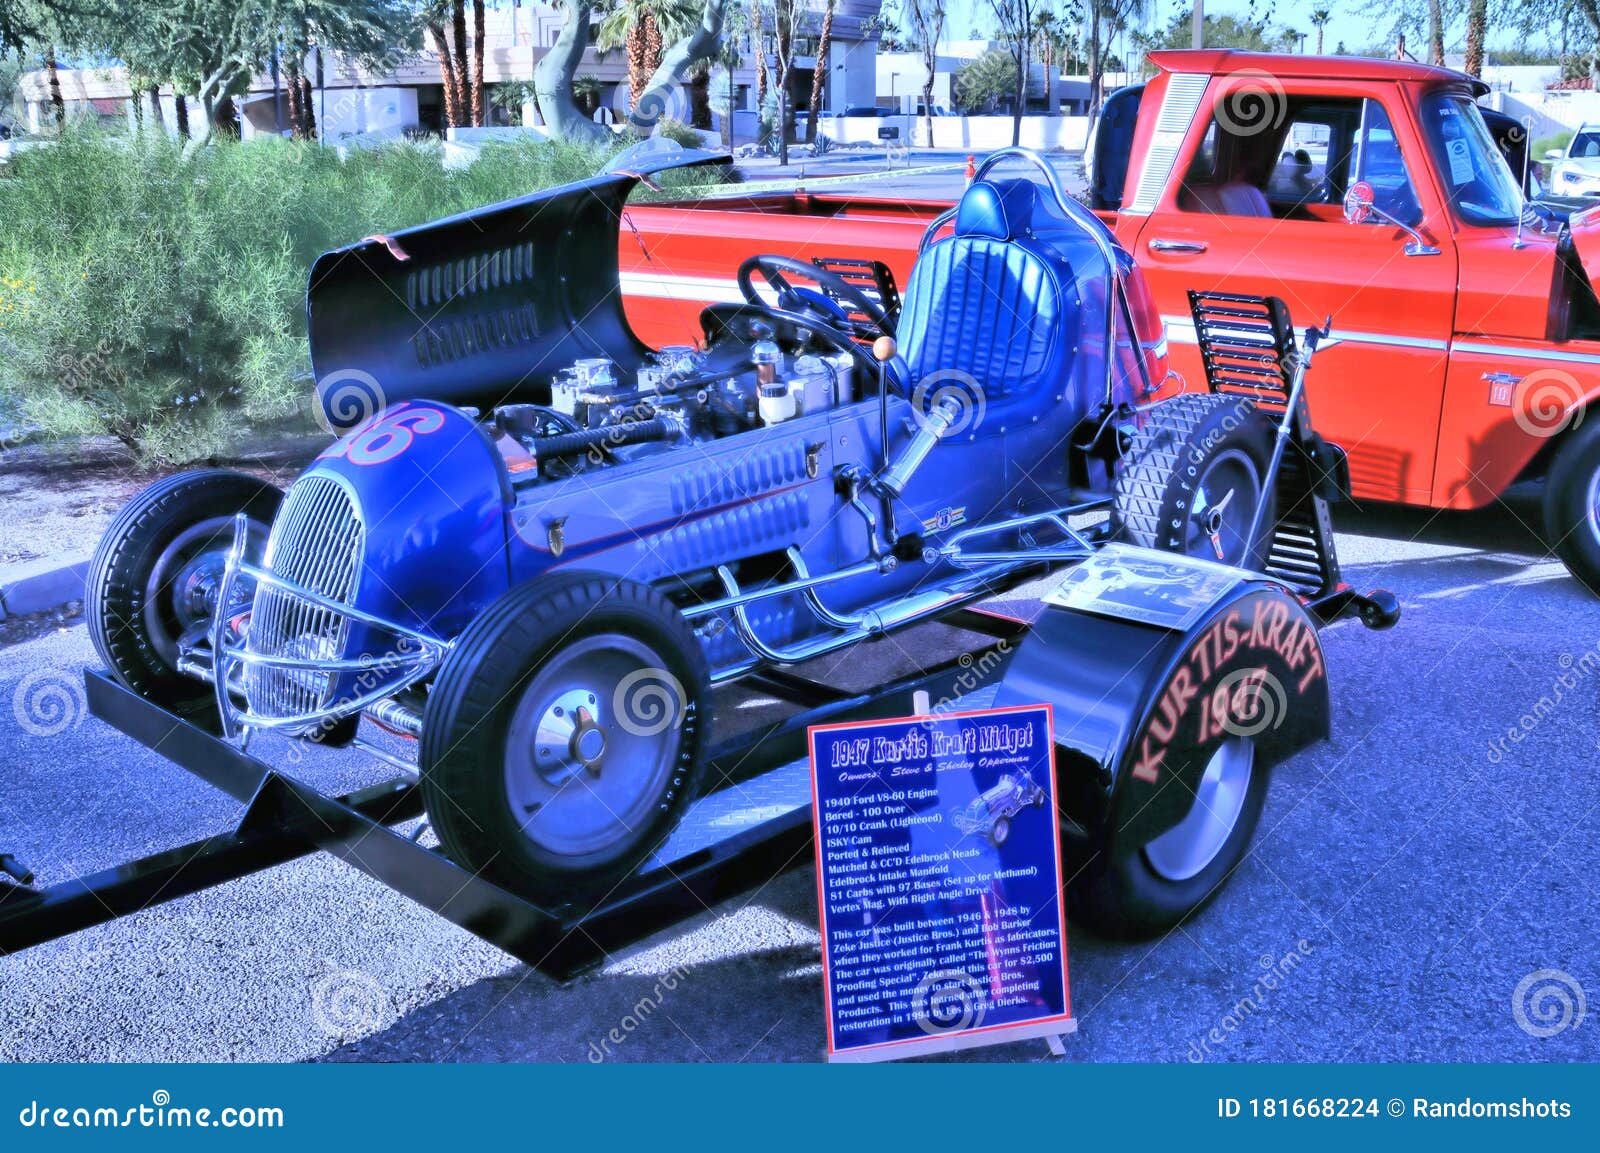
(1259, 210)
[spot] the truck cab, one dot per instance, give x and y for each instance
(1465, 343)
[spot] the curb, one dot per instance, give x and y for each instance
(38, 589)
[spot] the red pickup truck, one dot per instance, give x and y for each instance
(1466, 343)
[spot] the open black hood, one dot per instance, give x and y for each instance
(482, 308)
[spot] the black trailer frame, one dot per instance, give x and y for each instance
(285, 819)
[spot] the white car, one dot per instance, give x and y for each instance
(1576, 170)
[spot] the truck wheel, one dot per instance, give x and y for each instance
(563, 736)
(1193, 478)
(1572, 505)
(155, 573)
(1135, 891)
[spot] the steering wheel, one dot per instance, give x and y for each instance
(776, 270)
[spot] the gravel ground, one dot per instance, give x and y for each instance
(1413, 877)
(56, 501)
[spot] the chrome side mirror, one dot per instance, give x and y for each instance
(1360, 206)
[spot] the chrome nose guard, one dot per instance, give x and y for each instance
(413, 656)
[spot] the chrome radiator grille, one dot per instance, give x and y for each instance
(316, 543)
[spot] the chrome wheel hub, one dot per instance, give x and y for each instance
(570, 738)
(1225, 503)
(580, 776)
(1185, 850)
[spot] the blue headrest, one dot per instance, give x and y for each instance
(1000, 211)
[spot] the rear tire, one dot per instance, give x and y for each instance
(149, 578)
(563, 738)
(1128, 890)
(1572, 505)
(1173, 489)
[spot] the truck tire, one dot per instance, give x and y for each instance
(563, 737)
(1166, 487)
(152, 572)
(1572, 505)
(1126, 890)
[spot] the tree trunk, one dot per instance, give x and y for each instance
(638, 76)
(53, 80)
(552, 79)
(1436, 32)
(180, 109)
(761, 56)
(819, 74)
(653, 50)
(1021, 98)
(291, 83)
(1096, 73)
(479, 105)
(700, 44)
(308, 109)
(1477, 24)
(700, 97)
(157, 120)
(447, 72)
(458, 36)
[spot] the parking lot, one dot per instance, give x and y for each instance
(1423, 886)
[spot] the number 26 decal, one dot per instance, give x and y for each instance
(387, 437)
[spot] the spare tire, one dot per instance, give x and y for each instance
(1193, 478)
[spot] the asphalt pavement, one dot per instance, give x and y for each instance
(1422, 887)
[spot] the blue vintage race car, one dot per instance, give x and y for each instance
(538, 544)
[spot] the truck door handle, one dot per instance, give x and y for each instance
(1188, 247)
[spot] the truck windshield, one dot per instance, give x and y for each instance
(1472, 170)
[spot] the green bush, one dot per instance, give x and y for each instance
(160, 298)
(679, 133)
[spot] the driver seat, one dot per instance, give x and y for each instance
(984, 308)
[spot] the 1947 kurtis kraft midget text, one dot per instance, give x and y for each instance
(541, 544)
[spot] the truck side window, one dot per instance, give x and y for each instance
(1296, 161)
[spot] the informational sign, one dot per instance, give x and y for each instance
(939, 882)
(888, 132)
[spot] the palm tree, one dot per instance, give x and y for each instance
(761, 53)
(587, 90)
(1436, 32)
(458, 41)
(1319, 20)
(1477, 26)
(819, 73)
(643, 27)
(439, 21)
(478, 108)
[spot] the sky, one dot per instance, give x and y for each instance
(1350, 23)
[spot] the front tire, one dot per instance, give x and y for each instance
(1129, 890)
(1194, 476)
(563, 737)
(1572, 505)
(153, 577)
